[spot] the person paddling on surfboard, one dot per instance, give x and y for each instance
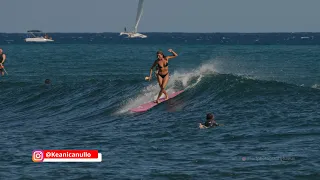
(163, 72)
(2, 59)
(210, 122)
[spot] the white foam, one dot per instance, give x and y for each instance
(316, 86)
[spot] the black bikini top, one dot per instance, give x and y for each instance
(167, 64)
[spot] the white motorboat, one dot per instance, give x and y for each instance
(37, 36)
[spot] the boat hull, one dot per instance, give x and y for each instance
(133, 35)
(38, 40)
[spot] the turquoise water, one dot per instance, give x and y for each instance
(267, 97)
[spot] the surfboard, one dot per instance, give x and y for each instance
(149, 105)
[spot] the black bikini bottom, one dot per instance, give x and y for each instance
(163, 76)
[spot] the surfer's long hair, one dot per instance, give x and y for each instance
(160, 52)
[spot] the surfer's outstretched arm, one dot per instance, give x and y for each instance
(173, 53)
(153, 65)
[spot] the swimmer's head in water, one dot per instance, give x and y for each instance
(160, 55)
(1, 51)
(210, 116)
(47, 81)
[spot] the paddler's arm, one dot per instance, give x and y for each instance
(202, 126)
(173, 53)
(216, 124)
(153, 65)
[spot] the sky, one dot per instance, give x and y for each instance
(160, 15)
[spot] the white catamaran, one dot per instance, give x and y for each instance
(135, 34)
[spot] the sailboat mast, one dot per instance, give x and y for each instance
(139, 15)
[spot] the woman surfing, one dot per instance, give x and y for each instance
(163, 71)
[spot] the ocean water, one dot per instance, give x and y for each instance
(266, 96)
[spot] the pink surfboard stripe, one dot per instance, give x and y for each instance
(149, 105)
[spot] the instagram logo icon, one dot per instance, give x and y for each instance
(37, 156)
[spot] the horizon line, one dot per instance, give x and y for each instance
(227, 32)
